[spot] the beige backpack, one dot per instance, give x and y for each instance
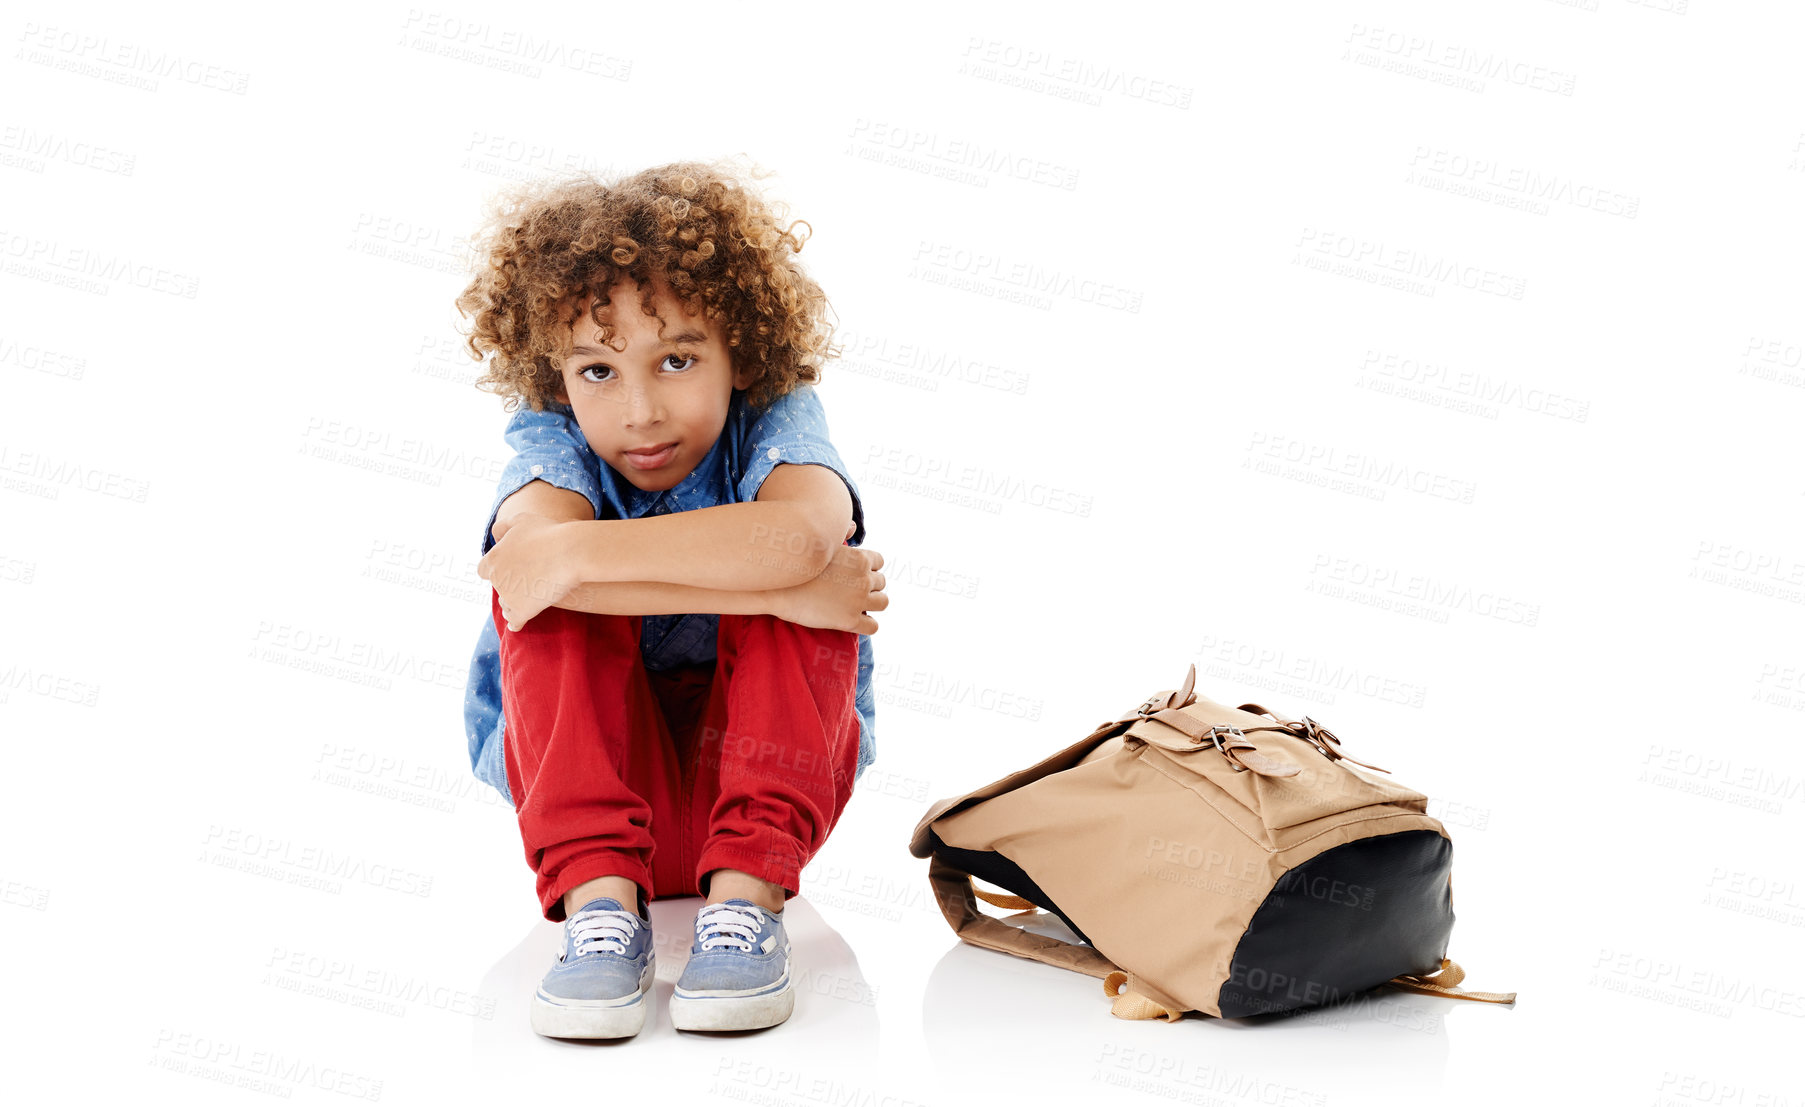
(1218, 859)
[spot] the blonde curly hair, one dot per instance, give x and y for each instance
(547, 245)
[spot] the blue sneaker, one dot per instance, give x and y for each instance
(738, 976)
(601, 984)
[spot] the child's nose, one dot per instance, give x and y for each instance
(642, 406)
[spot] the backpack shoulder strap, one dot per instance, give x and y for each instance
(1443, 983)
(959, 903)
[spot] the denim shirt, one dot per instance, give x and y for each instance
(549, 446)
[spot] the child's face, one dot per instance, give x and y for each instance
(646, 392)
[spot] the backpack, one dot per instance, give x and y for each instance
(1225, 860)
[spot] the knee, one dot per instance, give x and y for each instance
(768, 626)
(818, 649)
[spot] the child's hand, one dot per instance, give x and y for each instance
(529, 568)
(841, 597)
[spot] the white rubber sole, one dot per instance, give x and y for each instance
(560, 1017)
(726, 1010)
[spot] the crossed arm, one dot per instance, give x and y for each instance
(783, 554)
(624, 597)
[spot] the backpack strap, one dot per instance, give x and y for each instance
(958, 902)
(1130, 1004)
(997, 899)
(1442, 983)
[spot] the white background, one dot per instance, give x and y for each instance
(1432, 369)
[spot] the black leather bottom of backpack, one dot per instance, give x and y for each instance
(1344, 922)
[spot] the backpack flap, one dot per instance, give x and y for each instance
(1274, 773)
(922, 842)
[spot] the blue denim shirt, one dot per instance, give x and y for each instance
(549, 446)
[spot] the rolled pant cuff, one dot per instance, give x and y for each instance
(769, 855)
(608, 863)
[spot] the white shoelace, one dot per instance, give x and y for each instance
(602, 931)
(720, 924)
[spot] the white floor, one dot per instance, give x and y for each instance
(244, 972)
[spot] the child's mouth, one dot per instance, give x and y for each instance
(650, 460)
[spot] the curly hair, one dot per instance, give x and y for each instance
(717, 244)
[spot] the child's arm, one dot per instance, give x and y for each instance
(785, 537)
(552, 472)
(768, 545)
(625, 597)
(840, 598)
(794, 506)
(539, 498)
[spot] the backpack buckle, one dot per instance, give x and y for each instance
(1153, 704)
(1324, 740)
(1320, 736)
(1227, 739)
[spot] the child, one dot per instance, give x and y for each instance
(675, 676)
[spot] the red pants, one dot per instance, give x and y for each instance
(664, 776)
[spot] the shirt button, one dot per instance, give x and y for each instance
(773, 453)
(537, 469)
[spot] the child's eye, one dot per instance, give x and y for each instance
(585, 371)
